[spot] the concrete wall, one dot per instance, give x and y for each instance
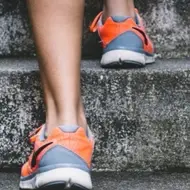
(167, 22)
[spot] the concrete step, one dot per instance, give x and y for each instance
(167, 23)
(141, 118)
(120, 181)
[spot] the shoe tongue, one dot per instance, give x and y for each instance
(43, 133)
(69, 128)
(73, 129)
(124, 18)
(64, 128)
(137, 19)
(120, 18)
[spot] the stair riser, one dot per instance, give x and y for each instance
(141, 118)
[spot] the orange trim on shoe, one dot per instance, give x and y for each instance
(76, 142)
(94, 24)
(33, 135)
(110, 30)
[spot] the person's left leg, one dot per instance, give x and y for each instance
(62, 156)
(59, 51)
(118, 8)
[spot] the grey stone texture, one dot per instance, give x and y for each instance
(167, 23)
(140, 118)
(119, 181)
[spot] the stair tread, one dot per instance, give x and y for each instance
(119, 181)
(161, 65)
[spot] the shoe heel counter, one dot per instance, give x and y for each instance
(63, 157)
(126, 41)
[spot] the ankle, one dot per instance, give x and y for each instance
(121, 8)
(58, 120)
(81, 115)
(74, 116)
(82, 122)
(69, 118)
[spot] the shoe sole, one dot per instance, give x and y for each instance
(65, 178)
(60, 186)
(125, 59)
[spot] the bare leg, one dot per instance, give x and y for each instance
(118, 8)
(57, 27)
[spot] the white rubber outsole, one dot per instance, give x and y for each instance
(74, 175)
(126, 56)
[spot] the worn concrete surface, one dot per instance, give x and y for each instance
(120, 181)
(141, 118)
(167, 23)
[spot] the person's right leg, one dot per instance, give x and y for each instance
(119, 8)
(63, 155)
(125, 42)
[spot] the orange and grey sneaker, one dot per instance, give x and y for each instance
(60, 161)
(125, 42)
